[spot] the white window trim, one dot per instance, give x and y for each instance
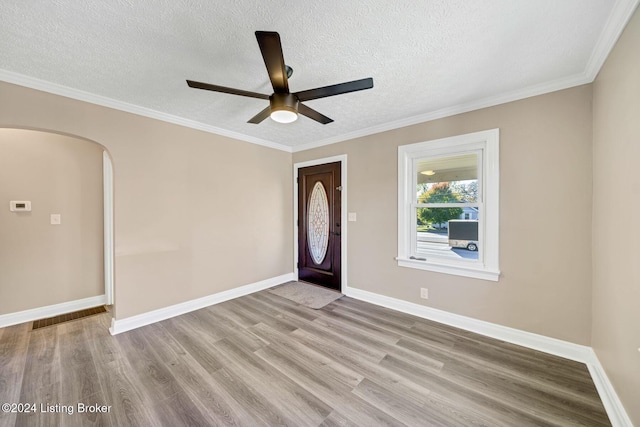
(486, 267)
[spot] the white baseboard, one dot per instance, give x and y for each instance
(554, 346)
(123, 325)
(51, 310)
(616, 412)
(577, 352)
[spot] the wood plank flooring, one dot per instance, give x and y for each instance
(262, 360)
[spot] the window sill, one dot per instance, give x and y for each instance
(458, 270)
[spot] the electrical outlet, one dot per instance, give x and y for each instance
(424, 293)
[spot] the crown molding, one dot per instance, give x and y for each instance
(613, 28)
(516, 95)
(80, 95)
(616, 22)
(615, 25)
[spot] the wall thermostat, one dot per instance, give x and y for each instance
(19, 206)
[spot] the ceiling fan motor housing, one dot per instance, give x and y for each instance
(284, 101)
(285, 106)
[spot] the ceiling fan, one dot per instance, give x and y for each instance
(284, 106)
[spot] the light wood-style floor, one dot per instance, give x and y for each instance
(262, 360)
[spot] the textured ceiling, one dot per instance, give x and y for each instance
(426, 57)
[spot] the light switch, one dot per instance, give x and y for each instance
(352, 216)
(55, 219)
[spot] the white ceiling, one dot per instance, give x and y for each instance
(428, 58)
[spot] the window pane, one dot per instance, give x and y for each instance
(447, 179)
(445, 232)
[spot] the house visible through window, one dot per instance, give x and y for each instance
(448, 205)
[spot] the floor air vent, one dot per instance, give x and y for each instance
(42, 323)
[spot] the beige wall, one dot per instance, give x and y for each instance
(194, 213)
(42, 264)
(616, 226)
(545, 220)
(197, 213)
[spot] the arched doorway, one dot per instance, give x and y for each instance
(56, 257)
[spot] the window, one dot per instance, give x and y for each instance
(448, 205)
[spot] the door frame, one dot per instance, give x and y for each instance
(343, 214)
(107, 179)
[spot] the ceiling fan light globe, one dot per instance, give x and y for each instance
(284, 116)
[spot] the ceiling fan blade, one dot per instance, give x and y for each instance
(323, 92)
(271, 49)
(313, 114)
(215, 88)
(260, 116)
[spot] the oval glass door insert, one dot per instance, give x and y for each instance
(318, 223)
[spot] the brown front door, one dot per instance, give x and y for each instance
(319, 204)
